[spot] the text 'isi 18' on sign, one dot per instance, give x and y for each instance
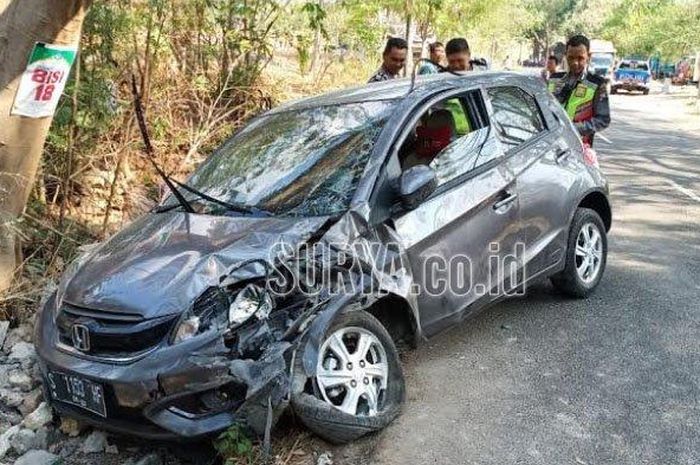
(43, 81)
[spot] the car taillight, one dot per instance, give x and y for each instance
(590, 157)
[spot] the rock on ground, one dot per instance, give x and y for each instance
(41, 440)
(4, 326)
(11, 398)
(37, 457)
(65, 448)
(6, 440)
(20, 380)
(325, 459)
(39, 417)
(23, 441)
(31, 401)
(96, 442)
(71, 427)
(22, 333)
(22, 351)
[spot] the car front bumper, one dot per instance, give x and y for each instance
(152, 396)
(630, 85)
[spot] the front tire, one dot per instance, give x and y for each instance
(586, 255)
(358, 387)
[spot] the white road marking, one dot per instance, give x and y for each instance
(604, 138)
(682, 189)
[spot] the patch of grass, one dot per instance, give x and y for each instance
(291, 445)
(235, 446)
(47, 248)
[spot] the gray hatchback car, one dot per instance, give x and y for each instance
(313, 241)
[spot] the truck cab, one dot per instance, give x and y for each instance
(602, 60)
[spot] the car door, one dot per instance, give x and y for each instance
(458, 237)
(541, 159)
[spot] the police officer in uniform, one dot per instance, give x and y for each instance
(582, 94)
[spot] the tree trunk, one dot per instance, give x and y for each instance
(22, 23)
(316, 54)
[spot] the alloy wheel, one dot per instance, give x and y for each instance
(352, 371)
(589, 253)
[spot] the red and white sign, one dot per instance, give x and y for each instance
(43, 81)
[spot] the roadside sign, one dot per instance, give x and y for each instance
(43, 80)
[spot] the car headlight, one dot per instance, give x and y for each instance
(214, 312)
(252, 300)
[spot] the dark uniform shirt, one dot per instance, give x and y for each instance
(600, 119)
(382, 75)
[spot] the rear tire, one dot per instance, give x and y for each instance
(613, 90)
(586, 255)
(316, 410)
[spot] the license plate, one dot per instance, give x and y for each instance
(77, 391)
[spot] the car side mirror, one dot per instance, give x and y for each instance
(417, 183)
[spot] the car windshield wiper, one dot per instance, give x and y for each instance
(149, 148)
(170, 182)
(236, 207)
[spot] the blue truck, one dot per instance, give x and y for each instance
(631, 75)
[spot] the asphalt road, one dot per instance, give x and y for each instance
(614, 379)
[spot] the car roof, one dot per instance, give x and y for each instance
(399, 88)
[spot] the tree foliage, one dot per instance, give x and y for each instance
(205, 66)
(669, 27)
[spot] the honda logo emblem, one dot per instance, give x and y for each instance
(81, 337)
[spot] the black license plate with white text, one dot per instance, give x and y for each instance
(78, 391)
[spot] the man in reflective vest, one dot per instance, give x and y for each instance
(582, 94)
(459, 59)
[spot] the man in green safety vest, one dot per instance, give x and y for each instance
(459, 60)
(582, 94)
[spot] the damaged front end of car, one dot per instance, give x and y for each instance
(247, 345)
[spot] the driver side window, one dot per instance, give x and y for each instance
(453, 137)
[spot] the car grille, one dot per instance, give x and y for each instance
(110, 334)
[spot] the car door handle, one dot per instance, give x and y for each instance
(505, 202)
(563, 155)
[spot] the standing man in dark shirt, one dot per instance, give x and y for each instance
(459, 56)
(582, 94)
(437, 55)
(393, 60)
(550, 69)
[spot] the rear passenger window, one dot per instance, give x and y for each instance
(515, 115)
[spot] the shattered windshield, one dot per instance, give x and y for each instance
(306, 162)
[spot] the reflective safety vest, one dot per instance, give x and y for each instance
(579, 105)
(462, 126)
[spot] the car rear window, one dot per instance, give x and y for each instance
(516, 115)
(634, 65)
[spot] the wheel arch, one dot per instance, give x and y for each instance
(598, 201)
(394, 312)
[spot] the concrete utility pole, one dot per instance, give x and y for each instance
(22, 24)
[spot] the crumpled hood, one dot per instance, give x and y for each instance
(161, 262)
